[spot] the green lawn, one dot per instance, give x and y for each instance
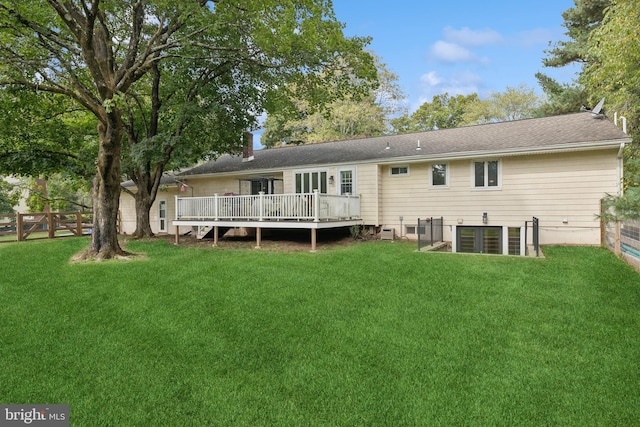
(374, 334)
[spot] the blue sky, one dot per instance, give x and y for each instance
(458, 46)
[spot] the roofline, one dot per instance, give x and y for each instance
(561, 148)
(570, 147)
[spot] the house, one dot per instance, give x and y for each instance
(486, 181)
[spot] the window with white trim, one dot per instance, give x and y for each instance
(347, 181)
(307, 182)
(399, 170)
(162, 216)
(439, 175)
(486, 174)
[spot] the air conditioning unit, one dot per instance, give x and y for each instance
(387, 234)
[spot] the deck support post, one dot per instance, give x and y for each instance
(215, 235)
(313, 239)
(177, 235)
(258, 237)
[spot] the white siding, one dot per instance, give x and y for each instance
(562, 190)
(368, 187)
(127, 210)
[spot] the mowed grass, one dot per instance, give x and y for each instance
(372, 334)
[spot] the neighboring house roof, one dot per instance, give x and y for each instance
(168, 178)
(558, 133)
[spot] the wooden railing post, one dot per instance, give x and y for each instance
(51, 225)
(78, 223)
(19, 227)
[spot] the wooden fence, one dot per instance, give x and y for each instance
(44, 225)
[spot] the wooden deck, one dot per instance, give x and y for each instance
(311, 211)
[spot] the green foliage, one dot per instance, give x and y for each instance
(561, 98)
(169, 83)
(347, 117)
(579, 21)
(43, 133)
(447, 111)
(443, 112)
(613, 73)
(9, 196)
(63, 193)
(515, 103)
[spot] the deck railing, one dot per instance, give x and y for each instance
(269, 207)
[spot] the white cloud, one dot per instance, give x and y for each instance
(443, 51)
(468, 37)
(431, 79)
(462, 83)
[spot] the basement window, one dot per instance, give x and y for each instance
(414, 229)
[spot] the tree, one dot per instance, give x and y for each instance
(446, 111)
(104, 57)
(561, 98)
(60, 192)
(343, 119)
(580, 22)
(443, 112)
(44, 133)
(613, 73)
(515, 103)
(351, 117)
(9, 197)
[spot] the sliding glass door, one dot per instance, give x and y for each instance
(307, 182)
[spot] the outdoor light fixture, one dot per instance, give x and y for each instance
(485, 218)
(331, 180)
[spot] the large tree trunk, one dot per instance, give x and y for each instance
(106, 192)
(144, 200)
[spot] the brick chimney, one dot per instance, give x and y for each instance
(247, 147)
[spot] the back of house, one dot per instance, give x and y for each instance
(487, 183)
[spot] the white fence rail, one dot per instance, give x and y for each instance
(262, 207)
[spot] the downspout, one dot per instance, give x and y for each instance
(619, 169)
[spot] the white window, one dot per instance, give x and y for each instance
(439, 175)
(399, 170)
(306, 182)
(486, 174)
(162, 216)
(347, 181)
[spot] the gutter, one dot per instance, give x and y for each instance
(573, 147)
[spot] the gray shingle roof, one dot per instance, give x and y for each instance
(167, 178)
(539, 134)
